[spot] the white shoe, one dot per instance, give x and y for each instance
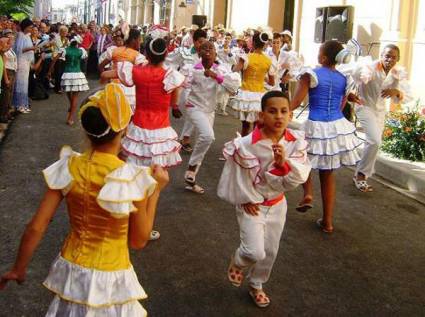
(154, 235)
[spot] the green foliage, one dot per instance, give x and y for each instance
(8, 7)
(404, 135)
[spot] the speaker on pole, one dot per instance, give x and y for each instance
(334, 23)
(199, 20)
(339, 23)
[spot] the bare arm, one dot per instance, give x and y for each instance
(301, 91)
(32, 236)
(105, 76)
(52, 65)
(141, 222)
(102, 65)
(270, 80)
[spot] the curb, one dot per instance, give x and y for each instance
(403, 176)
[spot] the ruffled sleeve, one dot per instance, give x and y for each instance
(140, 59)
(296, 169)
(57, 175)
(240, 174)
(314, 81)
(172, 80)
(125, 73)
(123, 186)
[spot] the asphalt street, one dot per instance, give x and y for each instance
(372, 265)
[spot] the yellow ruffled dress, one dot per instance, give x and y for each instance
(93, 275)
(247, 103)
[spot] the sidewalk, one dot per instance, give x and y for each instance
(404, 176)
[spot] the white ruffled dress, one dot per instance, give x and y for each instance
(73, 80)
(81, 290)
(150, 139)
(331, 143)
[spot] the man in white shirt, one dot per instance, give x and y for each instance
(379, 82)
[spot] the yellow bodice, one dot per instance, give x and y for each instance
(255, 73)
(97, 239)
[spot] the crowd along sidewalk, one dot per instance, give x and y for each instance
(404, 176)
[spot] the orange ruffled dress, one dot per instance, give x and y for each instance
(93, 275)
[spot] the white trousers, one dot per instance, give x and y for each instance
(222, 99)
(203, 123)
(260, 237)
(373, 123)
(187, 126)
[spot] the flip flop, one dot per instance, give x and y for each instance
(303, 207)
(362, 185)
(195, 188)
(319, 223)
(259, 297)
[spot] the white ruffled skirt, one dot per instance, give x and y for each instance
(86, 292)
(146, 147)
(332, 144)
(246, 105)
(74, 82)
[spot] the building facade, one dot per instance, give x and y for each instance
(42, 8)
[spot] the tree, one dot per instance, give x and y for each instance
(8, 7)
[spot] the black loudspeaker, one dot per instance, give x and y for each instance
(199, 20)
(320, 25)
(339, 23)
(334, 23)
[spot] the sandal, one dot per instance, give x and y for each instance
(190, 177)
(154, 235)
(195, 188)
(259, 297)
(234, 274)
(319, 223)
(304, 206)
(362, 185)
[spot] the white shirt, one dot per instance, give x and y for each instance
(249, 174)
(203, 90)
(372, 79)
(182, 56)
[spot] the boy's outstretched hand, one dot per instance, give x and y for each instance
(11, 276)
(251, 209)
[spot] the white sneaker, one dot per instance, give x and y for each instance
(154, 235)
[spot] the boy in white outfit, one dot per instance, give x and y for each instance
(185, 57)
(378, 82)
(259, 169)
(203, 80)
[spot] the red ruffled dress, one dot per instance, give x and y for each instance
(150, 139)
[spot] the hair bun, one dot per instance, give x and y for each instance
(158, 46)
(264, 37)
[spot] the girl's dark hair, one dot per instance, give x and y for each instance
(158, 45)
(260, 39)
(93, 122)
(53, 28)
(331, 49)
(198, 34)
(276, 36)
(272, 94)
(134, 34)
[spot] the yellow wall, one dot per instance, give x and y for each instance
(276, 10)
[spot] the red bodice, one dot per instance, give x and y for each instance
(152, 101)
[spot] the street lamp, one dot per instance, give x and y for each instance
(182, 4)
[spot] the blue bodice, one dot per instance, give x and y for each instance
(326, 98)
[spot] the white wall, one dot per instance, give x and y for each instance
(248, 13)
